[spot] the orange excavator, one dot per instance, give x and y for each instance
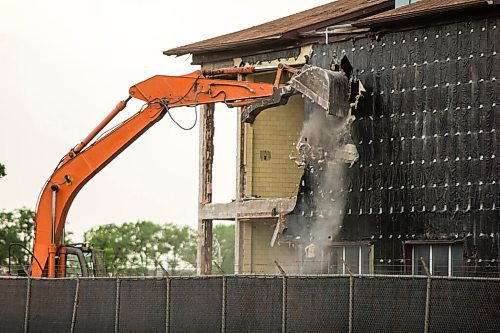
(161, 93)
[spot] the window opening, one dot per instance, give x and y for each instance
(358, 257)
(441, 259)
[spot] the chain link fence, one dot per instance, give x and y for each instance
(323, 303)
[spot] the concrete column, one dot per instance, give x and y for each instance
(237, 246)
(240, 186)
(246, 247)
(240, 161)
(204, 253)
(240, 153)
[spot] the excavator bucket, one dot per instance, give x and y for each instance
(329, 89)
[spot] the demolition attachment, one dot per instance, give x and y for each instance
(329, 89)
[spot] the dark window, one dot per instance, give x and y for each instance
(357, 258)
(440, 259)
(457, 260)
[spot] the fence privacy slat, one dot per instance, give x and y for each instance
(252, 304)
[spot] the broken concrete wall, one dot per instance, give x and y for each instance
(269, 141)
(268, 173)
(426, 133)
(267, 180)
(263, 255)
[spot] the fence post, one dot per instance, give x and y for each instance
(75, 304)
(427, 304)
(284, 313)
(224, 303)
(224, 296)
(167, 307)
(351, 294)
(284, 292)
(117, 305)
(27, 308)
(427, 296)
(351, 301)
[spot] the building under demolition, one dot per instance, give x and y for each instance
(401, 180)
(411, 173)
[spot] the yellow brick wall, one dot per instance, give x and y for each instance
(263, 255)
(275, 130)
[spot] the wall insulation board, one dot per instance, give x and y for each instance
(426, 132)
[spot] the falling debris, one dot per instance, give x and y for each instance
(324, 151)
(280, 227)
(310, 250)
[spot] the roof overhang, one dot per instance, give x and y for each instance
(426, 11)
(294, 36)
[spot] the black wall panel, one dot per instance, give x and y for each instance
(426, 132)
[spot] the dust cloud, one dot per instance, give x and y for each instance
(325, 150)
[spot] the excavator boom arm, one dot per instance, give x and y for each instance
(84, 161)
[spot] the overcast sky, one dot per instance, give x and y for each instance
(65, 64)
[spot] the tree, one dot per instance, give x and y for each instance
(143, 236)
(2, 170)
(114, 240)
(16, 227)
(223, 235)
(181, 243)
(138, 248)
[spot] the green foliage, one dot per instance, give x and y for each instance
(143, 237)
(2, 170)
(16, 227)
(223, 235)
(181, 243)
(136, 248)
(144, 247)
(141, 247)
(114, 240)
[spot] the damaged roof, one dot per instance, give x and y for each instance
(420, 9)
(288, 28)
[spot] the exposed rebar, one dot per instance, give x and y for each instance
(282, 271)
(219, 268)
(425, 267)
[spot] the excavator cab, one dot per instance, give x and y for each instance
(81, 259)
(72, 260)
